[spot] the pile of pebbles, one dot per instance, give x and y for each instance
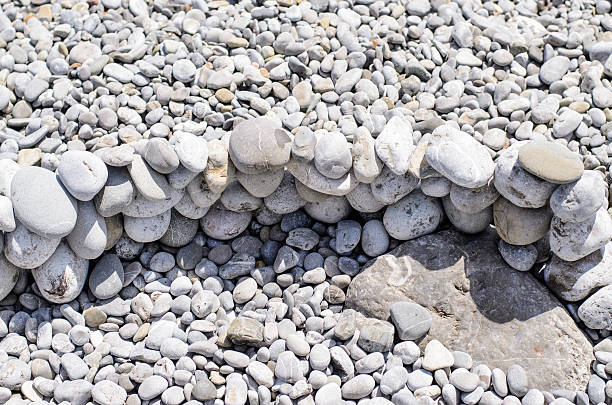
(188, 188)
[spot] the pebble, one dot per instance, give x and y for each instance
(82, 173)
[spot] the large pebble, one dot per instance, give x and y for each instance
(223, 224)
(394, 145)
(9, 274)
(41, 202)
(331, 210)
(147, 229)
(106, 278)
(595, 311)
(117, 193)
(332, 155)
(551, 161)
(572, 241)
(83, 174)
(413, 216)
(88, 238)
(516, 184)
(26, 249)
(61, 278)
(579, 200)
(259, 144)
(520, 226)
(459, 157)
(467, 222)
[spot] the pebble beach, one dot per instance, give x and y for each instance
(305, 202)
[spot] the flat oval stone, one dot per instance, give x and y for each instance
(61, 278)
(192, 150)
(41, 203)
(459, 157)
(332, 155)
(257, 145)
(161, 156)
(261, 185)
(83, 174)
(517, 184)
(551, 161)
(26, 249)
(330, 210)
(467, 222)
(579, 200)
(307, 174)
(9, 274)
(410, 319)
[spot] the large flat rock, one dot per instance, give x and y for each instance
(479, 305)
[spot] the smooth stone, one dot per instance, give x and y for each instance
(141, 207)
(201, 194)
(358, 386)
(473, 200)
(106, 392)
(520, 226)
(117, 193)
(388, 188)
(374, 238)
(245, 331)
(75, 392)
(26, 249)
(436, 356)
(288, 368)
(222, 224)
(579, 200)
(41, 203)
(152, 387)
(567, 122)
(332, 155)
(61, 278)
(188, 209)
(518, 380)
(82, 173)
(261, 185)
(413, 216)
(554, 69)
(151, 184)
(8, 168)
(307, 174)
(191, 150)
(161, 156)
(437, 187)
(468, 223)
(395, 144)
(286, 198)
(147, 229)
(258, 145)
(521, 258)
(551, 161)
(89, 236)
(411, 320)
(574, 281)
(362, 199)
(236, 198)
(518, 185)
(366, 164)
(331, 210)
(106, 278)
(572, 241)
(181, 230)
(595, 310)
(514, 308)
(459, 157)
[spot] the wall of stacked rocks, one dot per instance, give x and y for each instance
(536, 194)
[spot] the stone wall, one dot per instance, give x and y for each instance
(536, 193)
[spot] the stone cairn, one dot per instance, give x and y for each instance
(537, 195)
(107, 205)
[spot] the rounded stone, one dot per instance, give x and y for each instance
(520, 226)
(332, 155)
(236, 198)
(161, 156)
(106, 392)
(41, 202)
(521, 258)
(572, 241)
(362, 199)
(258, 145)
(152, 387)
(459, 157)
(467, 222)
(473, 200)
(26, 249)
(413, 216)
(106, 278)
(181, 230)
(191, 150)
(89, 236)
(222, 224)
(374, 238)
(358, 386)
(263, 184)
(579, 200)
(330, 210)
(411, 320)
(83, 174)
(516, 184)
(61, 278)
(147, 229)
(551, 161)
